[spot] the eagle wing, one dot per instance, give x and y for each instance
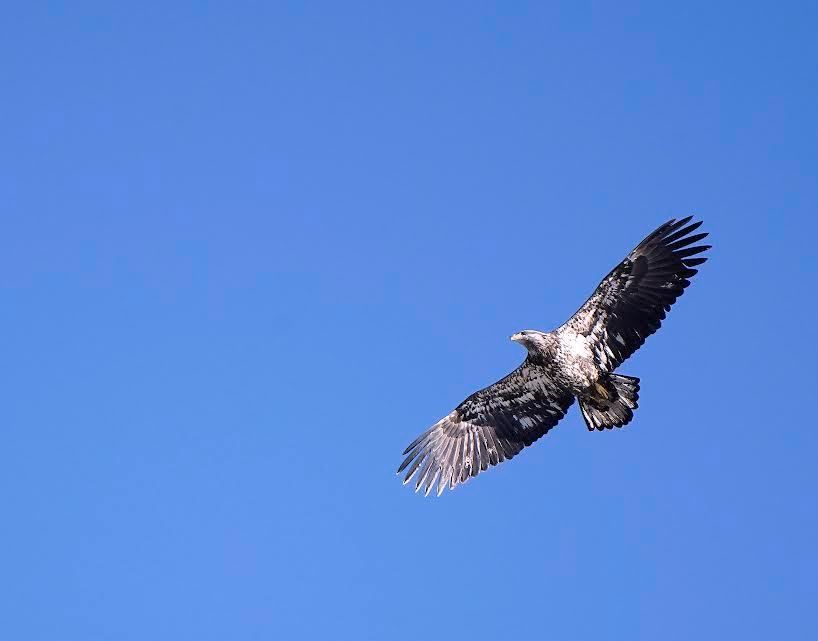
(630, 302)
(490, 426)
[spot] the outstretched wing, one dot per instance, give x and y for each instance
(490, 426)
(630, 302)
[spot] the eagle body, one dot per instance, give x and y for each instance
(573, 362)
(576, 361)
(563, 356)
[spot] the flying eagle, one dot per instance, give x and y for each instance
(576, 360)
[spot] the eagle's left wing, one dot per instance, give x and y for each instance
(490, 426)
(631, 302)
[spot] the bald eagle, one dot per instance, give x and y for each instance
(576, 360)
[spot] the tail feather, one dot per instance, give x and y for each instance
(615, 407)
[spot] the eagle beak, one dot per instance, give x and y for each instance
(517, 337)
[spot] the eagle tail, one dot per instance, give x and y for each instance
(610, 403)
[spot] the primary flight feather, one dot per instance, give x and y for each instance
(576, 360)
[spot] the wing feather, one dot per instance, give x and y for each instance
(490, 426)
(632, 300)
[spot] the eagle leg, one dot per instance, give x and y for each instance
(602, 391)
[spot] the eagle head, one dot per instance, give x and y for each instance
(528, 338)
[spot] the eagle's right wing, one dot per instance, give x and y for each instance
(490, 426)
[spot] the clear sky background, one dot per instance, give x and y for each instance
(250, 250)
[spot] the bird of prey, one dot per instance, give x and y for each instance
(576, 360)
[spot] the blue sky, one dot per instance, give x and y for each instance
(250, 250)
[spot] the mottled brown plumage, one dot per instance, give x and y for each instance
(577, 360)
